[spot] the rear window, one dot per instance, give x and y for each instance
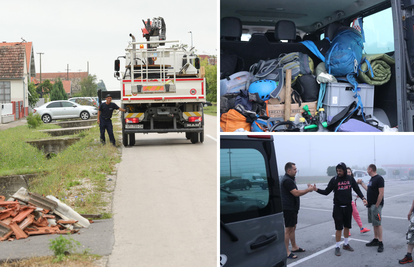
(54, 105)
(237, 195)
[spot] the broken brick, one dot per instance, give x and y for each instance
(24, 212)
(19, 233)
(26, 222)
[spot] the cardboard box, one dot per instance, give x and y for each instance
(278, 110)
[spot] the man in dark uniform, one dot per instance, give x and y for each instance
(290, 203)
(104, 118)
(342, 185)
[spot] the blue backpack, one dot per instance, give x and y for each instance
(343, 59)
(345, 54)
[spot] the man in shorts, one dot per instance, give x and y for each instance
(342, 185)
(375, 197)
(290, 202)
(410, 238)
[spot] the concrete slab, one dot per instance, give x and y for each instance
(76, 123)
(54, 145)
(66, 131)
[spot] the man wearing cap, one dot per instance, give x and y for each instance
(342, 185)
(104, 118)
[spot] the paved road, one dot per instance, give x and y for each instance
(165, 203)
(315, 230)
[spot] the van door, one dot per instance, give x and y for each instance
(251, 221)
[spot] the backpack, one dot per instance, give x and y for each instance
(344, 56)
(234, 83)
(274, 69)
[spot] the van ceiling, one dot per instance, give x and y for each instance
(308, 15)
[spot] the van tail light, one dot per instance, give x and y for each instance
(194, 119)
(131, 120)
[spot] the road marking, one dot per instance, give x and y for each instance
(398, 195)
(211, 137)
(385, 216)
(322, 251)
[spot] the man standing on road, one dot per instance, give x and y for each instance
(104, 118)
(410, 238)
(375, 196)
(290, 202)
(342, 185)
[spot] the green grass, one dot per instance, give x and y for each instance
(211, 110)
(86, 159)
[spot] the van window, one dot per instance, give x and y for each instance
(379, 34)
(246, 37)
(243, 181)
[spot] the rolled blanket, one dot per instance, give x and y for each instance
(380, 64)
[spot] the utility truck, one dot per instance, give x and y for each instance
(162, 88)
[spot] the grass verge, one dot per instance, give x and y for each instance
(211, 110)
(77, 175)
(81, 260)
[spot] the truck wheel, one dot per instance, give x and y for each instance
(125, 139)
(188, 135)
(202, 137)
(132, 139)
(194, 138)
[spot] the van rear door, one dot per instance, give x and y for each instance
(251, 221)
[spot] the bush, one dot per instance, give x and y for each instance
(62, 247)
(34, 121)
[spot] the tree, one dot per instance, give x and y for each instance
(331, 171)
(101, 85)
(381, 171)
(44, 88)
(211, 79)
(33, 95)
(89, 86)
(58, 92)
(396, 172)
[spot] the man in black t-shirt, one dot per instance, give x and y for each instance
(375, 196)
(290, 202)
(104, 118)
(342, 185)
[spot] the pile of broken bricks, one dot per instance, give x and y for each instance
(26, 214)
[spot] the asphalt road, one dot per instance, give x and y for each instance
(315, 230)
(165, 203)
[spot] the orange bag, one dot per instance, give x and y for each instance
(233, 120)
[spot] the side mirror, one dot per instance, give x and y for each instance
(117, 65)
(197, 63)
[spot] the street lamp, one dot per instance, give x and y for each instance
(191, 39)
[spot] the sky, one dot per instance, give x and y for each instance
(312, 154)
(76, 32)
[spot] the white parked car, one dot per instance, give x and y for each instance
(63, 109)
(358, 174)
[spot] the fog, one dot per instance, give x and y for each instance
(314, 153)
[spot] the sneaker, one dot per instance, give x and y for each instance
(364, 230)
(373, 243)
(380, 247)
(406, 260)
(337, 251)
(347, 247)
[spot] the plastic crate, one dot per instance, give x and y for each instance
(339, 95)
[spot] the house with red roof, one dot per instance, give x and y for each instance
(71, 80)
(17, 66)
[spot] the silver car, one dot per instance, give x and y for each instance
(63, 109)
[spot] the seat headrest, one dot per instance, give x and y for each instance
(230, 28)
(331, 29)
(285, 30)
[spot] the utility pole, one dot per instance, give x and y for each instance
(40, 54)
(191, 39)
(67, 72)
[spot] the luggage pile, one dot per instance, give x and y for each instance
(289, 94)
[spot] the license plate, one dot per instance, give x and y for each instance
(134, 126)
(192, 125)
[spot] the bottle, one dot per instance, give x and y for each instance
(302, 124)
(322, 117)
